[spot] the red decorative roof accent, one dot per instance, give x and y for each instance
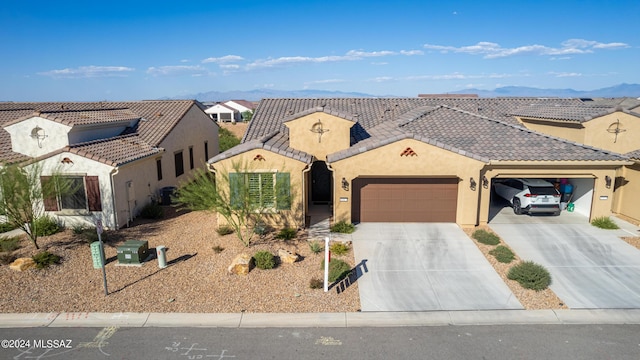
(408, 152)
(259, 158)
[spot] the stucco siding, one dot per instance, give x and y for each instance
(331, 136)
(269, 162)
(429, 161)
(55, 136)
(600, 132)
(628, 192)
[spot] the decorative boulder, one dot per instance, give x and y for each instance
(22, 264)
(287, 257)
(240, 265)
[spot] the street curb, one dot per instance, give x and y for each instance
(327, 320)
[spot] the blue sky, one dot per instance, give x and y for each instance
(132, 50)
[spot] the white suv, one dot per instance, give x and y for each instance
(529, 195)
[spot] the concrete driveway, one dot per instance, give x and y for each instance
(419, 267)
(590, 267)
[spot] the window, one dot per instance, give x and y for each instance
(206, 151)
(84, 194)
(159, 168)
(191, 157)
(177, 157)
(262, 190)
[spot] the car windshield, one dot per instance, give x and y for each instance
(542, 190)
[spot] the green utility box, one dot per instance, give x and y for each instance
(133, 252)
(96, 255)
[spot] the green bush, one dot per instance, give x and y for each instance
(530, 275)
(4, 227)
(91, 235)
(338, 269)
(316, 247)
(339, 248)
(8, 244)
(287, 233)
(316, 283)
(343, 227)
(503, 254)
(44, 259)
(78, 229)
(260, 229)
(224, 230)
(226, 139)
(604, 223)
(46, 226)
(486, 237)
(264, 260)
(152, 210)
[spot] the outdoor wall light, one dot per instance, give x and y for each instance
(345, 184)
(485, 182)
(472, 184)
(607, 181)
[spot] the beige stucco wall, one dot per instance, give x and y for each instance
(597, 134)
(627, 193)
(431, 161)
(272, 163)
(602, 196)
(335, 138)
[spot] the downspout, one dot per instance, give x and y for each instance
(333, 190)
(113, 196)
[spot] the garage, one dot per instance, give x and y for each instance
(404, 199)
(578, 191)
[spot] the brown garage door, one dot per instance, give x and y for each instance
(405, 199)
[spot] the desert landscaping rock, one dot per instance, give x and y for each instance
(22, 264)
(287, 257)
(240, 265)
(196, 277)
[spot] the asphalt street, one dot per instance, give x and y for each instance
(567, 342)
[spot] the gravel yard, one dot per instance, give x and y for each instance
(195, 281)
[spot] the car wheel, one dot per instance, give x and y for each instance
(517, 209)
(557, 213)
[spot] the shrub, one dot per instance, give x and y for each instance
(4, 227)
(45, 226)
(264, 260)
(152, 210)
(604, 223)
(260, 229)
(8, 244)
(224, 230)
(338, 269)
(339, 248)
(343, 227)
(218, 249)
(316, 283)
(226, 139)
(44, 259)
(6, 258)
(91, 235)
(287, 233)
(503, 254)
(78, 229)
(315, 247)
(486, 237)
(530, 275)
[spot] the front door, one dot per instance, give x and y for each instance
(321, 180)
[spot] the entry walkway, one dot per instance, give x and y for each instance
(420, 267)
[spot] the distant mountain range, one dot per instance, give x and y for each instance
(617, 91)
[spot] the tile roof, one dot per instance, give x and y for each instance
(634, 154)
(571, 113)
(480, 128)
(115, 151)
(276, 142)
(157, 119)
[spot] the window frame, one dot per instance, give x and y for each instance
(92, 196)
(278, 199)
(179, 169)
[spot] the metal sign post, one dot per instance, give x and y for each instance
(99, 230)
(326, 264)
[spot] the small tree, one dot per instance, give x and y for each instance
(226, 139)
(247, 115)
(241, 196)
(23, 194)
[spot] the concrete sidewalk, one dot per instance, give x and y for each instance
(329, 320)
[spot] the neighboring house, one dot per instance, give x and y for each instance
(604, 124)
(223, 113)
(230, 111)
(120, 155)
(409, 159)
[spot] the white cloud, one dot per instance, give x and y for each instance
(89, 72)
(178, 70)
(351, 55)
(452, 76)
(326, 81)
(566, 74)
(223, 60)
(491, 50)
(411, 52)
